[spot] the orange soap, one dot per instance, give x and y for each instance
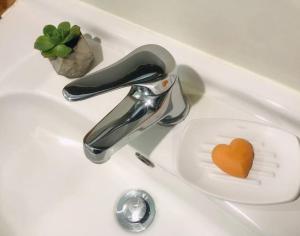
(235, 159)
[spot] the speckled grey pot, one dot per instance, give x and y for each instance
(78, 63)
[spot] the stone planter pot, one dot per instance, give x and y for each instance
(78, 63)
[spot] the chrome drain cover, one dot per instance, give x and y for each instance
(135, 210)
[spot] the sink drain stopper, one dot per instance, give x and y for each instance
(135, 210)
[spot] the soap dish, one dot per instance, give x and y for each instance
(273, 178)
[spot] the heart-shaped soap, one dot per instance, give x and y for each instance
(235, 159)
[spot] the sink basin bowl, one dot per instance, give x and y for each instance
(48, 187)
(40, 157)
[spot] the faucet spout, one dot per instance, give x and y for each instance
(155, 97)
(134, 114)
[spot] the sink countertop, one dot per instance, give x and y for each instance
(214, 87)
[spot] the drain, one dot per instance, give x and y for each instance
(135, 210)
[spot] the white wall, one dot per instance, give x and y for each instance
(260, 35)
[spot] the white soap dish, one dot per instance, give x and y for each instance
(273, 178)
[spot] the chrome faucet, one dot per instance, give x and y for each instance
(155, 97)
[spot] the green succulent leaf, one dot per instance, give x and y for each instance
(62, 50)
(56, 37)
(49, 54)
(51, 32)
(64, 28)
(75, 30)
(43, 43)
(74, 33)
(48, 30)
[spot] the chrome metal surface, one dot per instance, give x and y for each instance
(144, 159)
(155, 97)
(135, 210)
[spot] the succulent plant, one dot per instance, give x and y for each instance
(58, 41)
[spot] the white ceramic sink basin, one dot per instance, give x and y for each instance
(47, 185)
(39, 140)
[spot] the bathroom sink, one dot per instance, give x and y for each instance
(49, 187)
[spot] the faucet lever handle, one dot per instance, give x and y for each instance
(146, 66)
